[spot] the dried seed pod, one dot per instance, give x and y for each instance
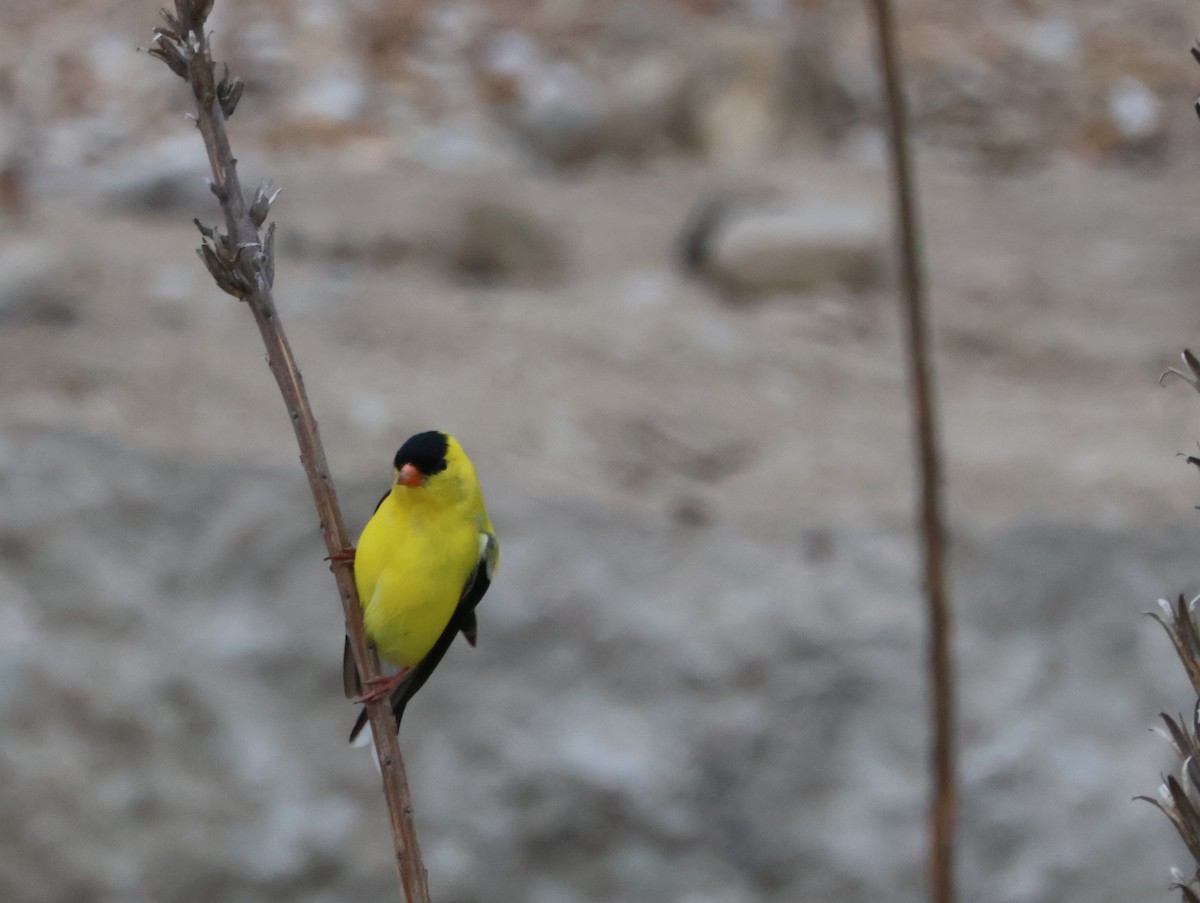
(206, 231)
(1192, 378)
(223, 268)
(269, 256)
(168, 51)
(264, 197)
(200, 10)
(228, 95)
(215, 265)
(1175, 734)
(183, 16)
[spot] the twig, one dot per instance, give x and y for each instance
(944, 798)
(243, 265)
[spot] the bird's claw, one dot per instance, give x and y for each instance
(381, 687)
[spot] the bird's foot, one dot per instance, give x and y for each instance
(381, 687)
(342, 556)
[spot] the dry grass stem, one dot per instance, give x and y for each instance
(1178, 797)
(944, 797)
(242, 262)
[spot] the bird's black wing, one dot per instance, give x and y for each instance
(351, 682)
(463, 620)
(470, 629)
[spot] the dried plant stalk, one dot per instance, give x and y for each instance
(242, 263)
(944, 797)
(1178, 797)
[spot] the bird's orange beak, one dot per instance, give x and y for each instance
(409, 476)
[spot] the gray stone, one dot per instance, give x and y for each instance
(761, 245)
(332, 96)
(1054, 40)
(558, 111)
(34, 286)
(1135, 110)
(170, 178)
(496, 243)
(567, 115)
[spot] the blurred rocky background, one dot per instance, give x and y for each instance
(636, 256)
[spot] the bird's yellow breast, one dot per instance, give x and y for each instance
(412, 564)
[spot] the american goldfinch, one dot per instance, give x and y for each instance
(423, 562)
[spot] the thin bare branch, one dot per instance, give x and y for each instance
(242, 264)
(944, 797)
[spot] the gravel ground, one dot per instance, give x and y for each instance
(699, 675)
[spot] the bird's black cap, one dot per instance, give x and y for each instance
(424, 451)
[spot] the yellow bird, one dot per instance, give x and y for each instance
(423, 562)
